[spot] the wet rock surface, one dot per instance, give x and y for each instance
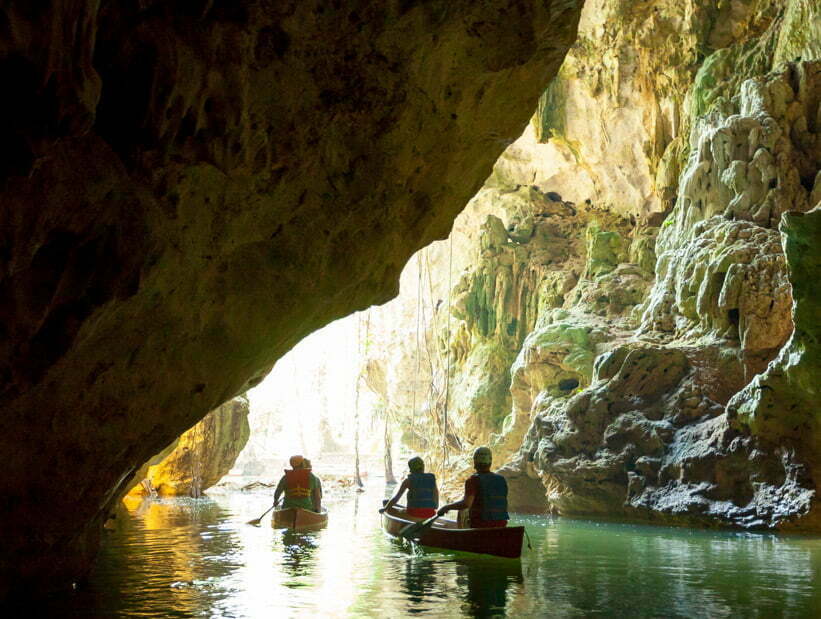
(190, 188)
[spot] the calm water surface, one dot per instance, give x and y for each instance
(196, 558)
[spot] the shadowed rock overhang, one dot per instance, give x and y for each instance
(188, 188)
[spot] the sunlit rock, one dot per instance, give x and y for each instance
(649, 440)
(729, 280)
(202, 455)
(526, 266)
(780, 405)
(604, 251)
(663, 448)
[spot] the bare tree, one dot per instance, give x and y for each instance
(363, 351)
(375, 380)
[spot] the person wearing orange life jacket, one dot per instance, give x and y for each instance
(300, 487)
(423, 495)
(485, 494)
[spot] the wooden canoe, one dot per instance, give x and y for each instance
(446, 534)
(298, 519)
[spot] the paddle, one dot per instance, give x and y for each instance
(255, 521)
(417, 529)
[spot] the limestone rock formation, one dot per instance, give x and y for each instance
(523, 266)
(780, 405)
(202, 455)
(649, 440)
(701, 420)
(139, 486)
(190, 188)
(666, 366)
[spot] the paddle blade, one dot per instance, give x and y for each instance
(256, 521)
(415, 530)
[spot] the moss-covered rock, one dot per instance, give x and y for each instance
(730, 143)
(549, 119)
(605, 250)
(480, 391)
(780, 405)
(799, 37)
(642, 250)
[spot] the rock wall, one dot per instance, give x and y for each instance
(780, 404)
(658, 363)
(662, 433)
(189, 188)
(203, 454)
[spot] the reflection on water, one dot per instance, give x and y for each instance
(486, 586)
(297, 553)
(186, 557)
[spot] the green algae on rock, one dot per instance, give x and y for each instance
(780, 405)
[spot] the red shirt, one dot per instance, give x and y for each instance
(421, 512)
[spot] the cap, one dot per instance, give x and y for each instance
(482, 455)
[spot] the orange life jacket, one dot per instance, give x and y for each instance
(298, 484)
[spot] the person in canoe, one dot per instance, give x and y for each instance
(485, 495)
(307, 464)
(423, 495)
(300, 487)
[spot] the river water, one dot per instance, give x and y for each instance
(197, 558)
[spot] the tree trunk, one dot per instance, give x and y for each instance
(357, 476)
(389, 478)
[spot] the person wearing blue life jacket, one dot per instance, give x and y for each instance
(423, 495)
(485, 495)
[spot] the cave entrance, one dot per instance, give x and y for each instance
(323, 400)
(362, 394)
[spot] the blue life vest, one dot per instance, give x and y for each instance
(492, 497)
(421, 489)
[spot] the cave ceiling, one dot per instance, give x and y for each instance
(188, 188)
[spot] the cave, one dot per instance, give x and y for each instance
(568, 384)
(582, 233)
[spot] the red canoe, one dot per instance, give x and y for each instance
(446, 534)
